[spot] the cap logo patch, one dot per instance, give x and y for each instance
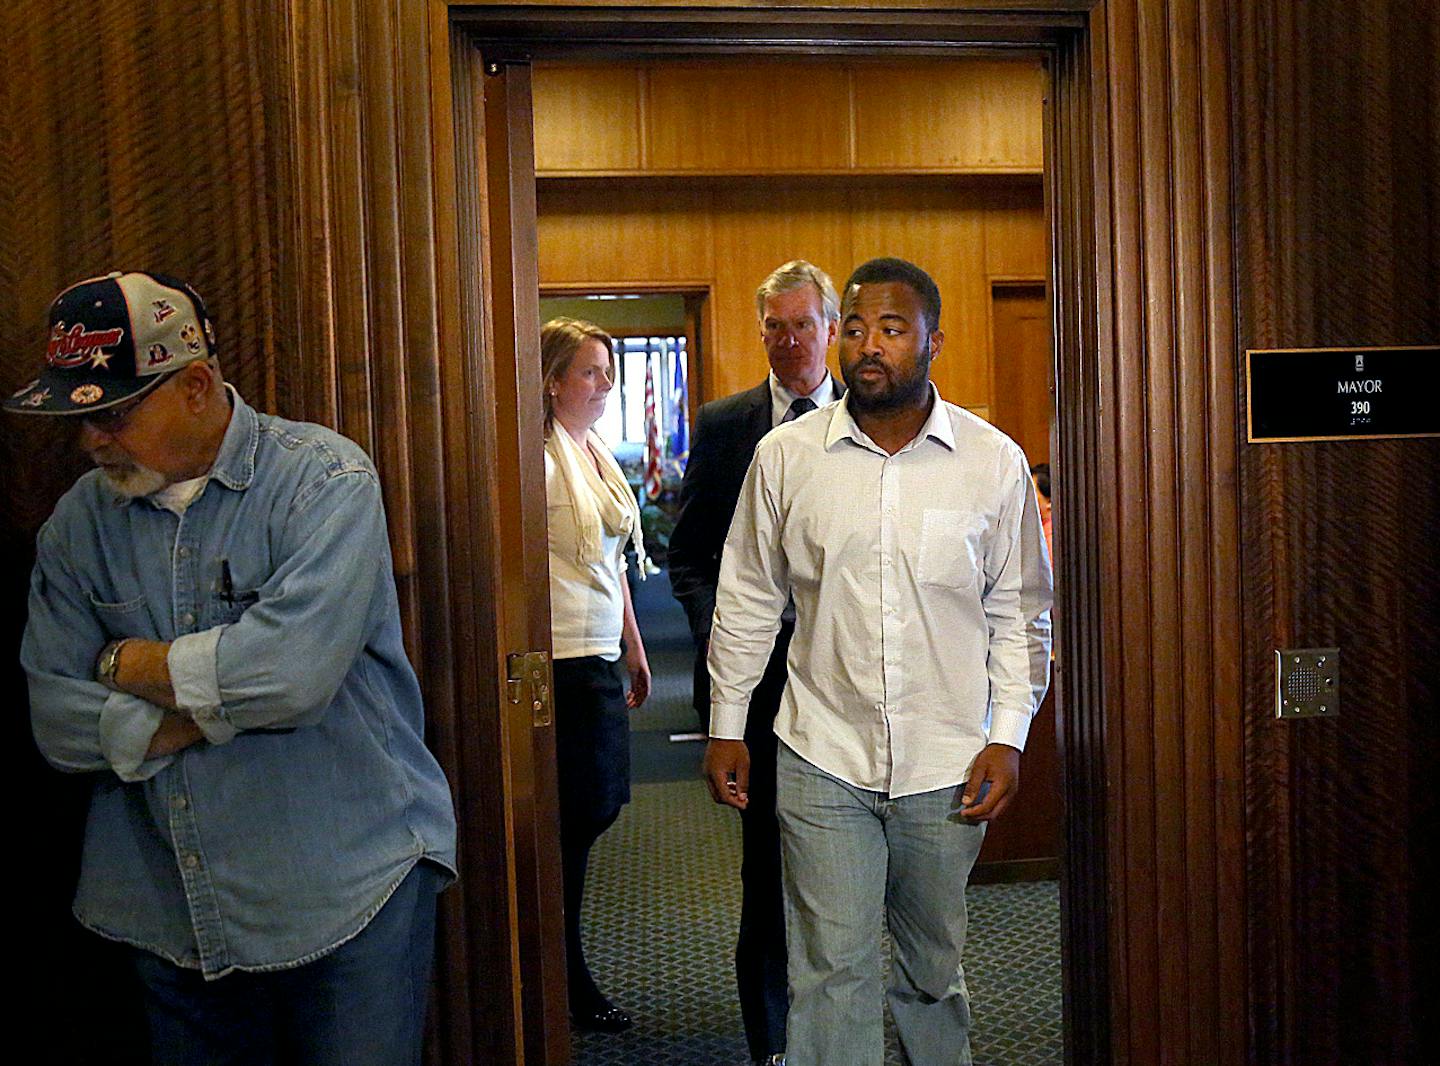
(87, 394)
(35, 399)
(158, 354)
(163, 310)
(191, 336)
(79, 345)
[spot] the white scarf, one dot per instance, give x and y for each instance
(601, 498)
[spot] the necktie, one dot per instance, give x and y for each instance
(798, 408)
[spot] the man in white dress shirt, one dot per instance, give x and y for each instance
(907, 532)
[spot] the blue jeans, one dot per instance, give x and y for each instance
(853, 858)
(363, 1004)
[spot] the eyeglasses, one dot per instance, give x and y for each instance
(112, 420)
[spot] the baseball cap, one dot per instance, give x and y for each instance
(114, 338)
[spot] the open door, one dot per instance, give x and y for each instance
(500, 306)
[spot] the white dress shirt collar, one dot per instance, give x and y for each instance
(937, 427)
(781, 398)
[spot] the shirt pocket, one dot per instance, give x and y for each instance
(126, 619)
(950, 549)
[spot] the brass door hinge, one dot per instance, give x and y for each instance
(527, 680)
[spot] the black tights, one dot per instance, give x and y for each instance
(576, 839)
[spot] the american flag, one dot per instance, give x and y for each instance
(653, 454)
(679, 417)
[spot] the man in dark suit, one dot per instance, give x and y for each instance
(799, 313)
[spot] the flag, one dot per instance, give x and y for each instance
(679, 416)
(653, 457)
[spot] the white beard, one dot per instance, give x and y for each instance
(132, 480)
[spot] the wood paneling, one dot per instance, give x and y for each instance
(729, 235)
(625, 231)
(588, 117)
(1023, 367)
(1013, 230)
(1149, 613)
(774, 116)
(1339, 240)
(391, 361)
(931, 115)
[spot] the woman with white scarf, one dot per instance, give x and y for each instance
(592, 514)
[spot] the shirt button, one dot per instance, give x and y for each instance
(184, 552)
(187, 619)
(180, 803)
(192, 861)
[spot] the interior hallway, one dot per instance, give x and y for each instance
(663, 904)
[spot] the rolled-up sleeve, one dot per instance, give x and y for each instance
(282, 661)
(79, 724)
(127, 725)
(195, 678)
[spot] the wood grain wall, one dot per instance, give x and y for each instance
(1147, 540)
(1338, 163)
(769, 116)
(727, 236)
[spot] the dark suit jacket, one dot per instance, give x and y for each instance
(726, 433)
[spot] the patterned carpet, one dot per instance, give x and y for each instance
(660, 919)
(663, 904)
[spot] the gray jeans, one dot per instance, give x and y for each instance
(853, 858)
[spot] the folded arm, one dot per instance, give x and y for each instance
(282, 661)
(80, 725)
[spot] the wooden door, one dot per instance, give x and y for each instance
(1026, 842)
(1022, 366)
(498, 233)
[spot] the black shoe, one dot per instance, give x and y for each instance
(771, 1060)
(602, 1017)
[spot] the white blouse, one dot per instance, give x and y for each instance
(587, 605)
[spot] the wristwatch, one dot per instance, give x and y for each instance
(108, 663)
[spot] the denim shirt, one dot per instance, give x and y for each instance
(280, 835)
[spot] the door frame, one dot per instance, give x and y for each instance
(506, 50)
(1122, 621)
(699, 324)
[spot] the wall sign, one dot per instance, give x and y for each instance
(1296, 394)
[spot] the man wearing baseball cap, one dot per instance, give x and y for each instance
(214, 638)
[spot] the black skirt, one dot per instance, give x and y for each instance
(592, 739)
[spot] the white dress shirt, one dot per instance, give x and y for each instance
(922, 591)
(781, 398)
